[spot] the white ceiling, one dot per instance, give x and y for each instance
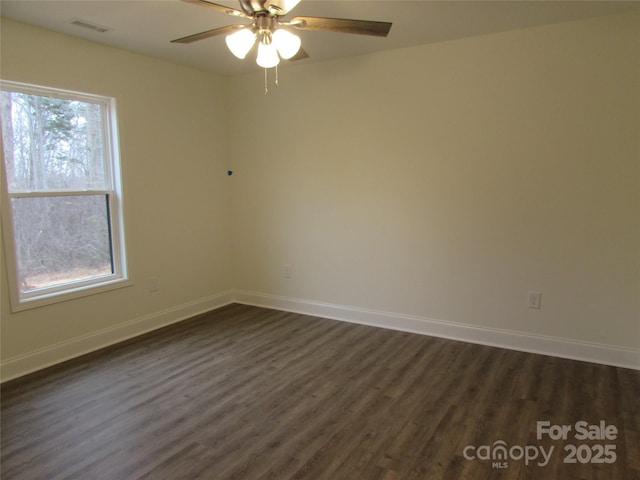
(147, 26)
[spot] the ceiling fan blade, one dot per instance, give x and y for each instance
(301, 55)
(220, 8)
(208, 34)
(342, 25)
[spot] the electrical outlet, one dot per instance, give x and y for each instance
(287, 271)
(534, 300)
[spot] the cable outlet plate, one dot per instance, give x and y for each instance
(534, 300)
(153, 284)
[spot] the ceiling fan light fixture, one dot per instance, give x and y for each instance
(267, 55)
(241, 42)
(274, 42)
(286, 43)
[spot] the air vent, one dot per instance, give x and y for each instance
(78, 22)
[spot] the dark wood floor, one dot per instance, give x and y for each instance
(248, 393)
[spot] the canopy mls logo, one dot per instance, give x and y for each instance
(499, 453)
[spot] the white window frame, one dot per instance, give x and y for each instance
(90, 286)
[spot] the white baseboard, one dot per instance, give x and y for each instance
(557, 347)
(60, 352)
(589, 352)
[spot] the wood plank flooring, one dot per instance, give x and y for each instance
(249, 393)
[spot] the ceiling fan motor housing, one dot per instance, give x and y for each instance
(252, 6)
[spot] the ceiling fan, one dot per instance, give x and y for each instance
(269, 30)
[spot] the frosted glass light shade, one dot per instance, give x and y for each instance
(287, 43)
(267, 55)
(240, 42)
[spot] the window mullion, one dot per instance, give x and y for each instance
(58, 193)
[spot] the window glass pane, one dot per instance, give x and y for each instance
(61, 239)
(52, 143)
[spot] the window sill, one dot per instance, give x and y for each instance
(71, 293)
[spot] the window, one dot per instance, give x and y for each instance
(62, 202)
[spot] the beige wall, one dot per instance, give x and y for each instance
(446, 181)
(174, 158)
(442, 182)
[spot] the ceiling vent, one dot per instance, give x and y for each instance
(78, 22)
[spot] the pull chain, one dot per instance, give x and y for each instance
(266, 86)
(266, 80)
